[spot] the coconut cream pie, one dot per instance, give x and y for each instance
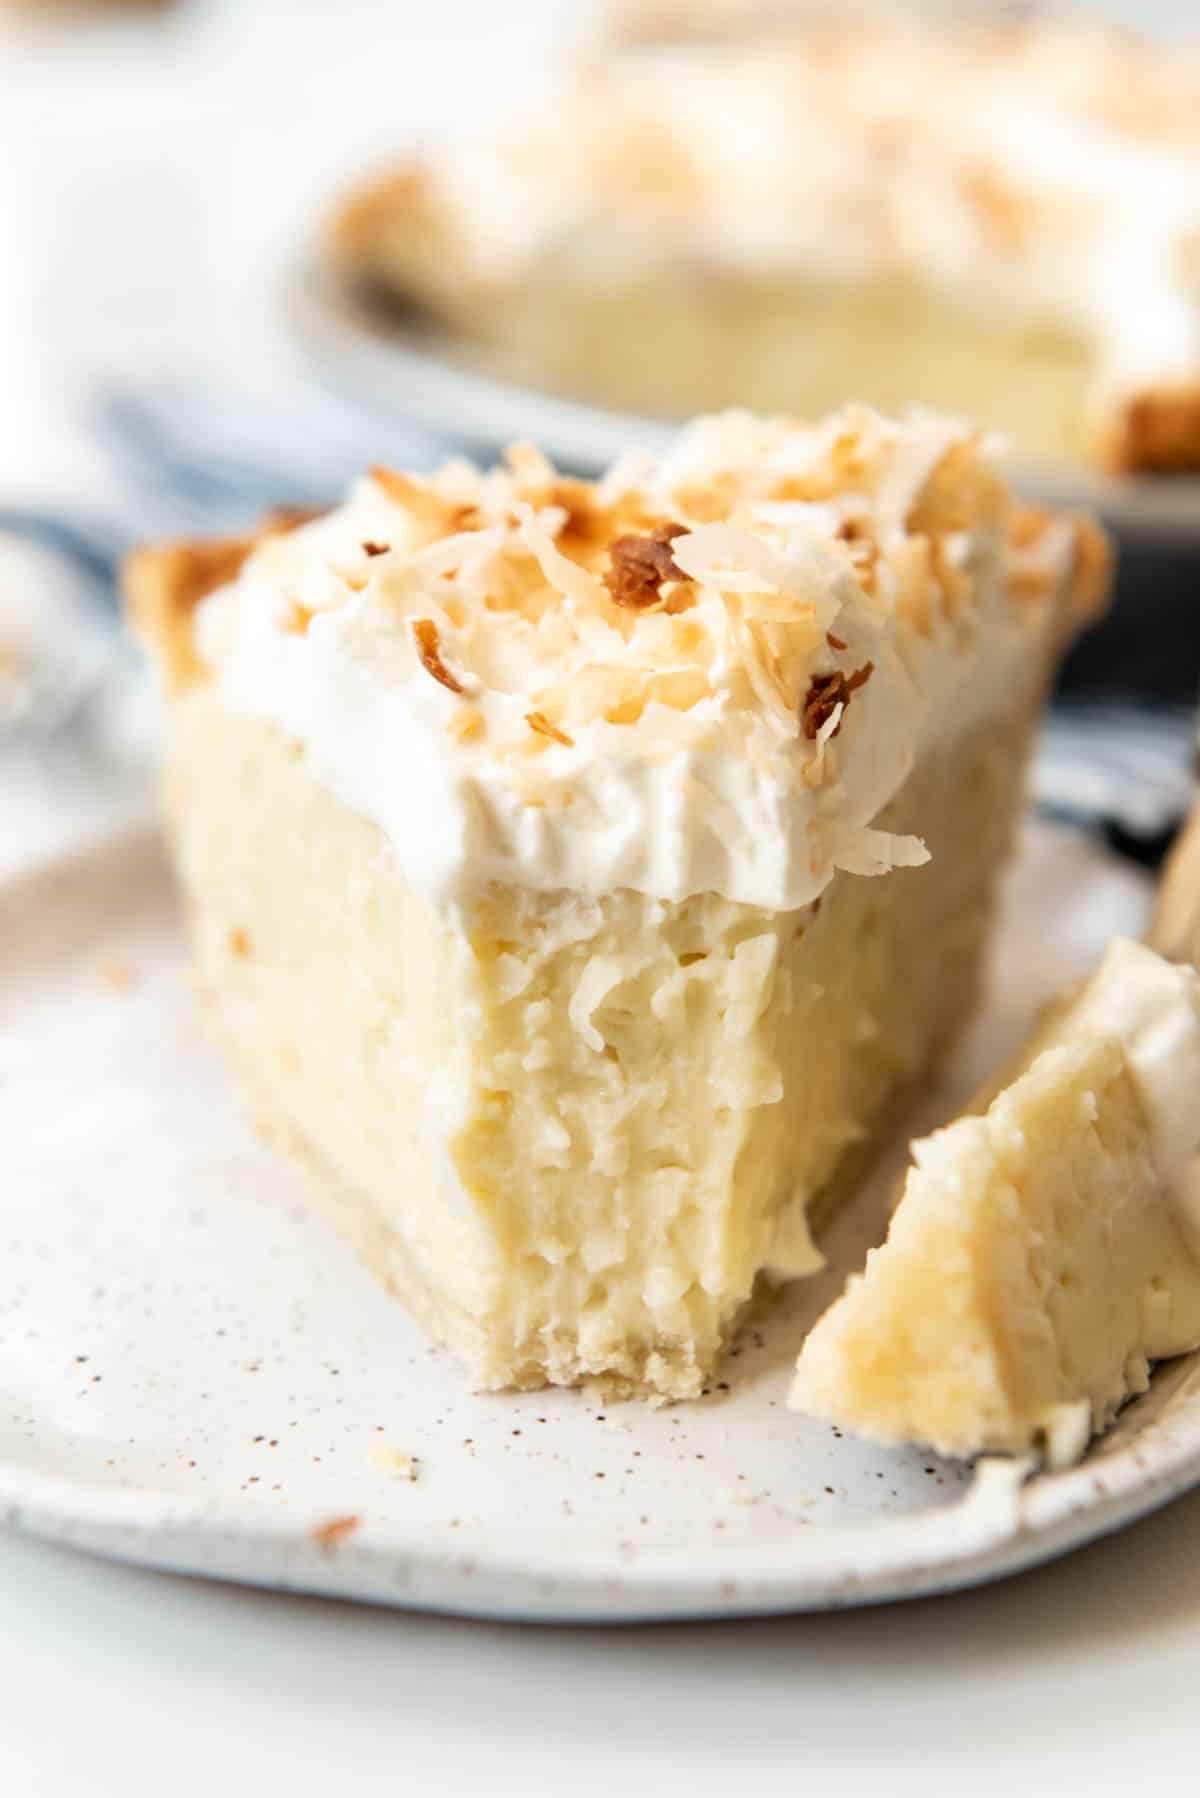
(1004, 221)
(681, 21)
(1047, 1249)
(580, 873)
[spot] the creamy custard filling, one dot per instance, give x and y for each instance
(708, 339)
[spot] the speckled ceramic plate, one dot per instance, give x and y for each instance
(195, 1374)
(405, 370)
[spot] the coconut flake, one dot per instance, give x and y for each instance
(449, 554)
(565, 576)
(858, 849)
(914, 456)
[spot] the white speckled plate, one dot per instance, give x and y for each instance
(402, 369)
(195, 1374)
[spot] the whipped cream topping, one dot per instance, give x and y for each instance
(706, 675)
(1049, 173)
(1152, 1008)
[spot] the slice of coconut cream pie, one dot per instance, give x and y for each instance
(578, 873)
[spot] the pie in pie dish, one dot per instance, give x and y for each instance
(999, 220)
(581, 874)
(1046, 1249)
(632, 22)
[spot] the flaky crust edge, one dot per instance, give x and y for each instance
(1154, 432)
(163, 583)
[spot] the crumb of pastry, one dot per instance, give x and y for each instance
(386, 1458)
(336, 1530)
(118, 975)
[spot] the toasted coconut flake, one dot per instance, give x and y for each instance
(567, 577)
(450, 554)
(598, 607)
(638, 566)
(861, 850)
(530, 467)
(425, 635)
(416, 497)
(805, 576)
(827, 699)
(538, 722)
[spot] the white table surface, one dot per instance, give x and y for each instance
(1079, 1678)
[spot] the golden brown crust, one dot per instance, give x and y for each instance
(390, 238)
(163, 583)
(373, 210)
(1092, 570)
(1089, 576)
(1155, 432)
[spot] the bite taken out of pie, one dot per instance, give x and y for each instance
(580, 875)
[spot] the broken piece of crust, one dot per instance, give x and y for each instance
(163, 583)
(1044, 1253)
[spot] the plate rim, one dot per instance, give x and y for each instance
(230, 1538)
(413, 375)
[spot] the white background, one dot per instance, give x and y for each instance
(145, 196)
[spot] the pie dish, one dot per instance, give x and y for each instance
(1002, 221)
(581, 874)
(1046, 1247)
